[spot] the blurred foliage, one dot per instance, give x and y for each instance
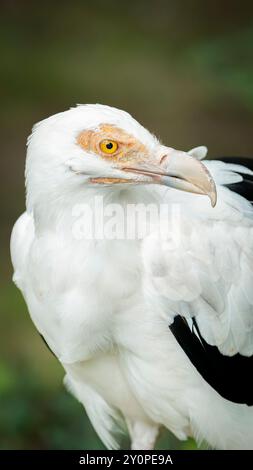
(183, 68)
(32, 416)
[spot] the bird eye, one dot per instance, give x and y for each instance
(108, 146)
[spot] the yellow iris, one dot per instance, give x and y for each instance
(108, 146)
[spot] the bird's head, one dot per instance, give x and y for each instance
(101, 146)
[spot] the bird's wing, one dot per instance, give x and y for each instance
(200, 275)
(21, 239)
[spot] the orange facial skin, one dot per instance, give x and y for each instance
(123, 149)
(128, 148)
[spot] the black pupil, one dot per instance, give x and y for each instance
(109, 146)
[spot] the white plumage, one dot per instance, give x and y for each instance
(104, 306)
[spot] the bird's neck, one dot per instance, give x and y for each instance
(91, 211)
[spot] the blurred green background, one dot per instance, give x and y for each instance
(183, 68)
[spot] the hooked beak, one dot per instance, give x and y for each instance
(178, 170)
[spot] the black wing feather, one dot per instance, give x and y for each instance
(245, 188)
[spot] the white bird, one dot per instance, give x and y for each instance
(153, 331)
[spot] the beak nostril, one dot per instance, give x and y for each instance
(163, 159)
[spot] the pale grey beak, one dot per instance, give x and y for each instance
(178, 170)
